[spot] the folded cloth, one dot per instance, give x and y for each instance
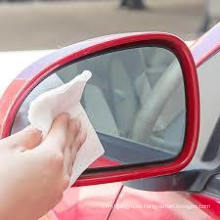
(66, 98)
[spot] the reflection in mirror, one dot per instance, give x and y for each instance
(135, 100)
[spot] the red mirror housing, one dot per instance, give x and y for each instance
(34, 74)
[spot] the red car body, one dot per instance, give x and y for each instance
(117, 201)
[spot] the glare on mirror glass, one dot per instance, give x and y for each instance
(135, 100)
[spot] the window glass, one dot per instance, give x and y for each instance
(135, 100)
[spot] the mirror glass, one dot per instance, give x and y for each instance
(135, 101)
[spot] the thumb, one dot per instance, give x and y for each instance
(27, 139)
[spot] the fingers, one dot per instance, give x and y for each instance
(73, 131)
(77, 143)
(27, 139)
(63, 141)
(76, 137)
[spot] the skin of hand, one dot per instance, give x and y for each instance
(34, 173)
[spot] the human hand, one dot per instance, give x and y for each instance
(35, 173)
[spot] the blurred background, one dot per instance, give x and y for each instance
(31, 24)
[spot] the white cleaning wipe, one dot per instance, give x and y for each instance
(66, 98)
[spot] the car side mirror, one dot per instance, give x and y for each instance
(143, 101)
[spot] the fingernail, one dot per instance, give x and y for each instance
(67, 115)
(63, 115)
(31, 128)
